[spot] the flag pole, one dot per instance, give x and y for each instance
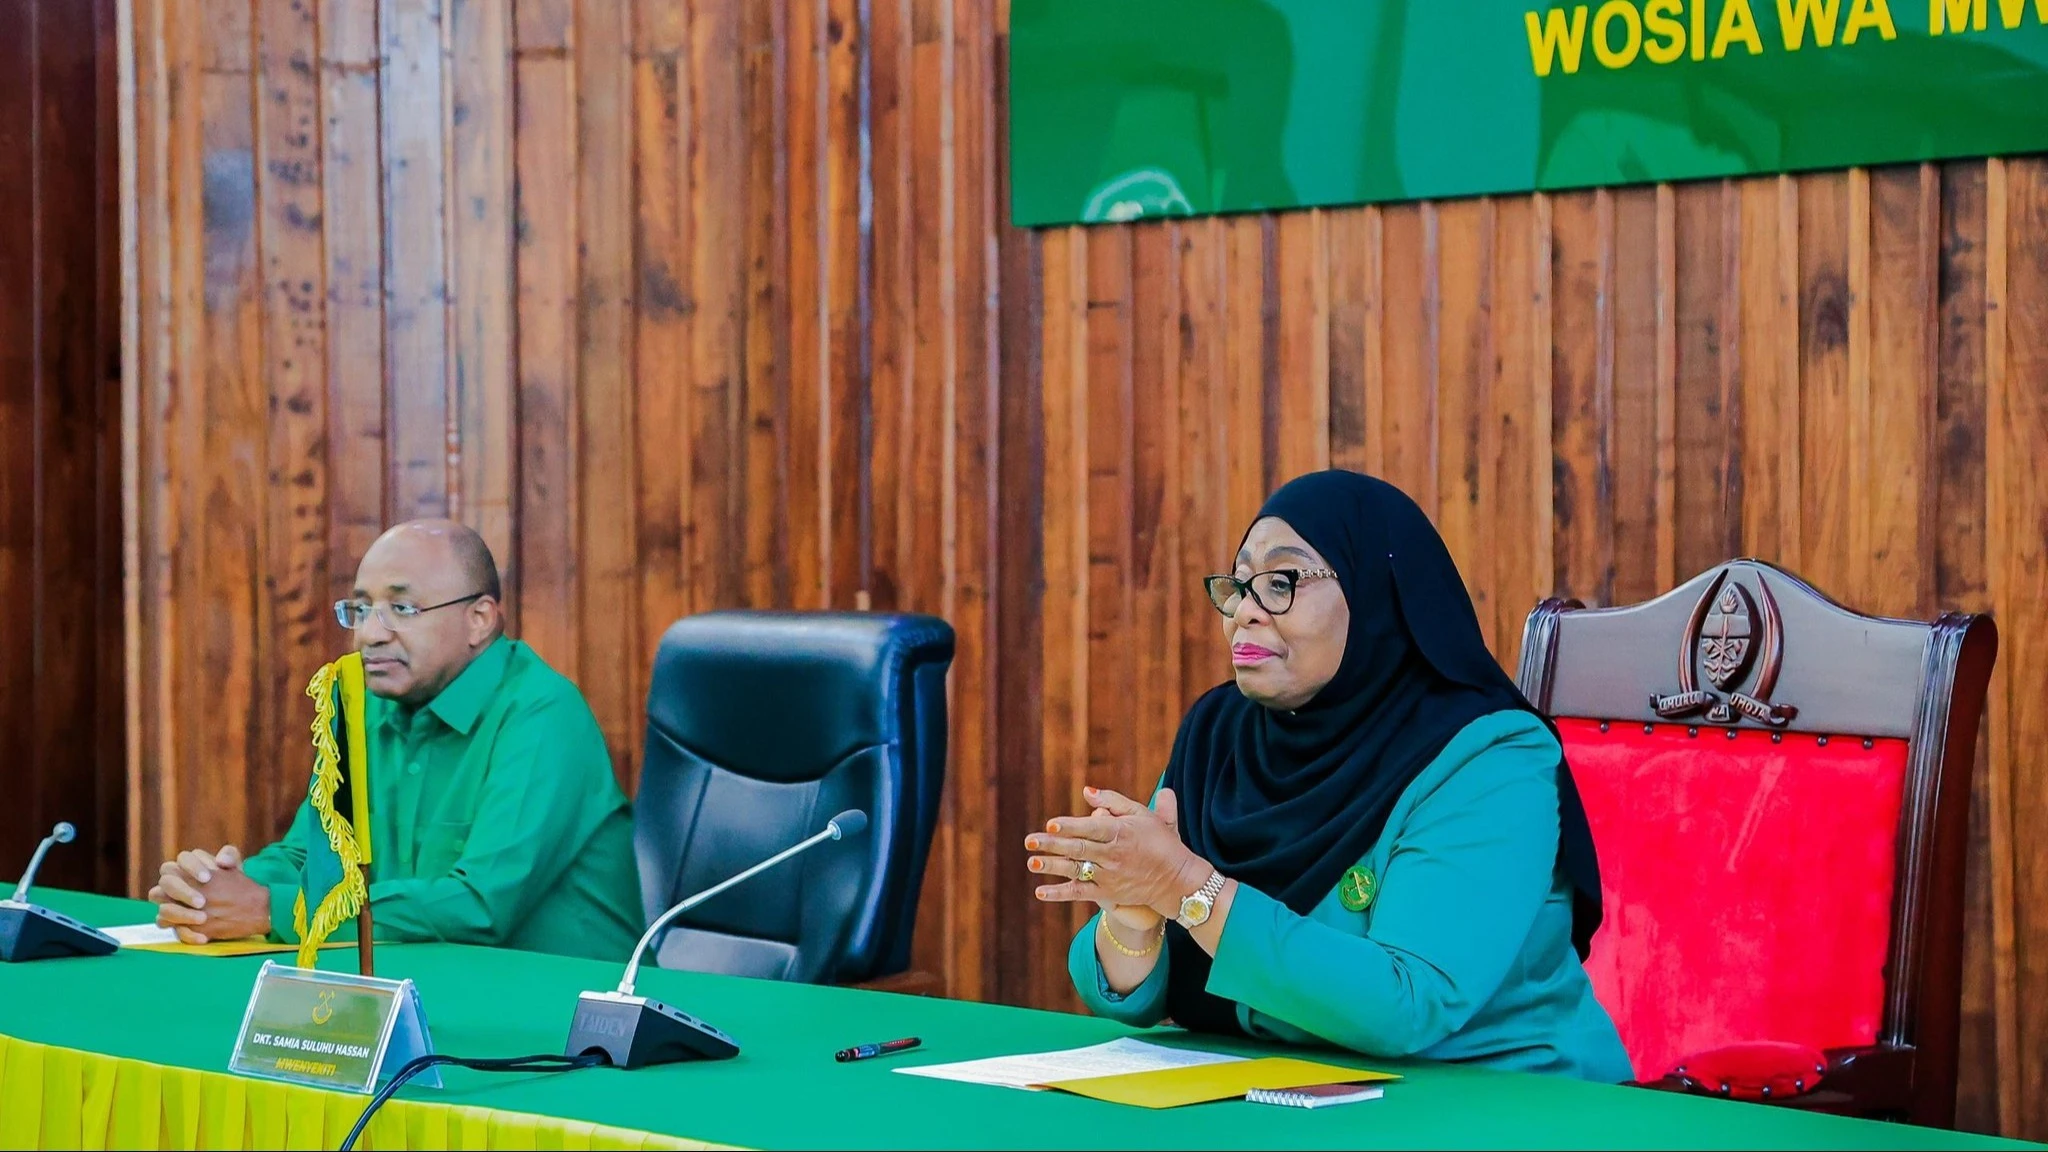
(366, 946)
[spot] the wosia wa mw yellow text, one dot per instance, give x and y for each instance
(1626, 32)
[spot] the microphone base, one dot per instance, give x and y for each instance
(635, 1032)
(33, 932)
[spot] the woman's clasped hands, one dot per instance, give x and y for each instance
(1124, 856)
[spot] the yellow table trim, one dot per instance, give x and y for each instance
(54, 1097)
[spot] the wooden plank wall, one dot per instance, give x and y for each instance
(61, 756)
(687, 305)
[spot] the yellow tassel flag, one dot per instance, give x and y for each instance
(340, 796)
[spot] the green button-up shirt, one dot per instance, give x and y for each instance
(495, 819)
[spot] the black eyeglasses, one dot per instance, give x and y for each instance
(1274, 590)
(353, 614)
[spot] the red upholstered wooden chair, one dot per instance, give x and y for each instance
(1779, 790)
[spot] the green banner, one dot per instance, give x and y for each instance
(1123, 109)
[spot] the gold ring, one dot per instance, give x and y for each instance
(1087, 872)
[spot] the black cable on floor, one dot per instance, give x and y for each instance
(420, 1064)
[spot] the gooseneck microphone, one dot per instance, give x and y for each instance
(63, 833)
(633, 1031)
(848, 823)
(32, 932)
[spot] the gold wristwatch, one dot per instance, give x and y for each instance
(1195, 909)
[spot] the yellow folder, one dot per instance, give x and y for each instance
(255, 946)
(1173, 1087)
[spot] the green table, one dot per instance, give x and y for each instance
(785, 1090)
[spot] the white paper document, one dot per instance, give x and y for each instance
(129, 934)
(1112, 1059)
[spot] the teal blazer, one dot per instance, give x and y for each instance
(1464, 952)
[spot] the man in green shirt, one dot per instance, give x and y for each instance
(496, 816)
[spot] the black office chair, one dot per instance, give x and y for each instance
(761, 726)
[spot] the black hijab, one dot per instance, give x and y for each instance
(1287, 801)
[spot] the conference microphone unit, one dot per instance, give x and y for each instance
(633, 1031)
(32, 932)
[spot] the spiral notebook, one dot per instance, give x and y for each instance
(1315, 1095)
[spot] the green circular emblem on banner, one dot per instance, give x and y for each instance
(1357, 888)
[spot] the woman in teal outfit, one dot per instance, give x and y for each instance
(1369, 839)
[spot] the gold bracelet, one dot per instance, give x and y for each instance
(1119, 945)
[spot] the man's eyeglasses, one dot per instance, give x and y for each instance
(353, 614)
(1274, 590)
